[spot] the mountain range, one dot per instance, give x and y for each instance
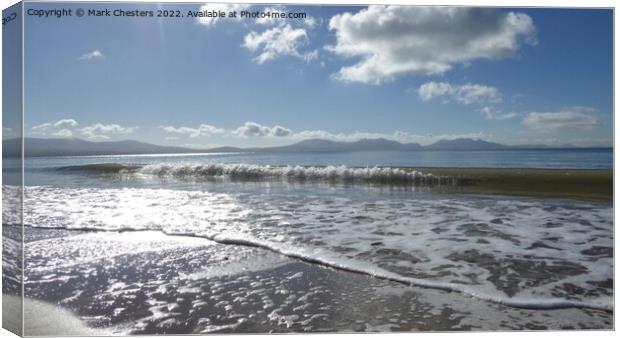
(36, 147)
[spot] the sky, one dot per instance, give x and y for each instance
(410, 74)
(11, 75)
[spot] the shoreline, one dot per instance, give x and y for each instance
(179, 285)
(552, 304)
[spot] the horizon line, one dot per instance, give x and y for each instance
(509, 146)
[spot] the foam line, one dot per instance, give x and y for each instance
(358, 267)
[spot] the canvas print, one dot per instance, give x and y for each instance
(198, 168)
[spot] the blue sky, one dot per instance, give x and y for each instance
(11, 75)
(412, 74)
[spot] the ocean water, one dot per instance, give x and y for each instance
(341, 211)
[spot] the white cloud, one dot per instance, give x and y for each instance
(277, 42)
(253, 129)
(66, 123)
(92, 56)
(103, 131)
(432, 90)
(394, 41)
(41, 127)
(286, 37)
(64, 133)
(568, 118)
(60, 128)
(280, 131)
(466, 94)
(491, 113)
(475, 93)
(202, 130)
(256, 130)
(311, 22)
(224, 7)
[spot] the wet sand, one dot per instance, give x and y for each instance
(148, 283)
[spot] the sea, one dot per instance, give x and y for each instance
(363, 212)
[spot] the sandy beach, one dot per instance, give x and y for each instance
(150, 283)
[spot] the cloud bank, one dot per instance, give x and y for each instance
(255, 130)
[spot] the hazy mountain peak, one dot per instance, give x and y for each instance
(78, 147)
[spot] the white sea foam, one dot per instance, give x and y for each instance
(519, 252)
(378, 175)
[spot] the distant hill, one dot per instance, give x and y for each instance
(465, 144)
(318, 145)
(76, 147)
(36, 147)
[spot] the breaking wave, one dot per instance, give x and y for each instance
(251, 172)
